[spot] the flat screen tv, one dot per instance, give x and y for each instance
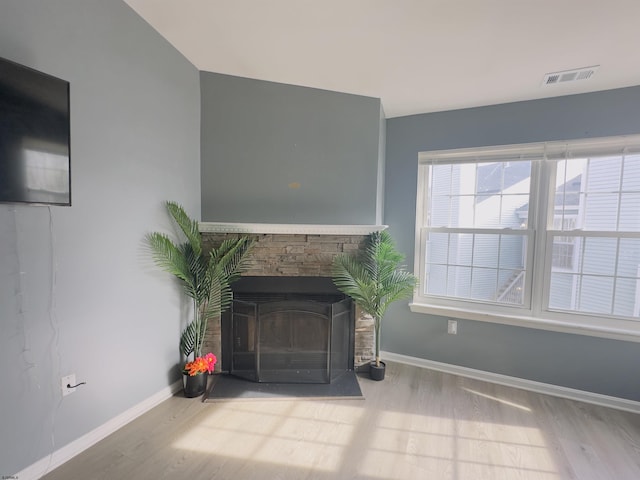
(35, 162)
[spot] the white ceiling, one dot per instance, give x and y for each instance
(417, 56)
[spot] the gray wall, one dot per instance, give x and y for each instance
(587, 363)
(259, 137)
(78, 293)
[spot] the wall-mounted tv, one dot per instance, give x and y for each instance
(35, 164)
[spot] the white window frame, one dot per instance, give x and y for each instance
(533, 313)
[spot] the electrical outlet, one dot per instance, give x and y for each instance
(68, 380)
(452, 327)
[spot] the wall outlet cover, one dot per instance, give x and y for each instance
(68, 380)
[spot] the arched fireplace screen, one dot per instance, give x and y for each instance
(289, 330)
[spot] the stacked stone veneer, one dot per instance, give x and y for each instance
(296, 255)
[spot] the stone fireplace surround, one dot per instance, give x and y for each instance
(294, 250)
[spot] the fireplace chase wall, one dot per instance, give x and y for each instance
(294, 251)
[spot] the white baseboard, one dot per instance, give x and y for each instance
(66, 453)
(533, 386)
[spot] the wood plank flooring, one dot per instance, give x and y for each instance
(416, 424)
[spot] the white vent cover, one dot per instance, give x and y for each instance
(583, 73)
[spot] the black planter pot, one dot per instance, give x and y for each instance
(377, 373)
(195, 385)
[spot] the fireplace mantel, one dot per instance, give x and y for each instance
(289, 228)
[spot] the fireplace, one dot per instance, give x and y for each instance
(288, 330)
(290, 264)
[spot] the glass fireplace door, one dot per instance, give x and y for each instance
(294, 342)
(244, 327)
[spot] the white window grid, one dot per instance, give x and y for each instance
(566, 230)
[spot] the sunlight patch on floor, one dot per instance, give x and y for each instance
(441, 445)
(318, 436)
(500, 400)
(434, 426)
(279, 433)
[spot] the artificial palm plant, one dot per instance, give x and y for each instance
(206, 278)
(374, 278)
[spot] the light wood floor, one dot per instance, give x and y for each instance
(417, 424)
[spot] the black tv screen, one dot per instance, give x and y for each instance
(35, 164)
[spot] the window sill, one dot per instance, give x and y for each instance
(629, 335)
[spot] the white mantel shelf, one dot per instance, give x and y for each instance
(289, 228)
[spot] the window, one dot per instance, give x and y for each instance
(541, 235)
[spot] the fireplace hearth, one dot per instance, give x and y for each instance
(288, 330)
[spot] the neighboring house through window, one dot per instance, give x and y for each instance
(544, 235)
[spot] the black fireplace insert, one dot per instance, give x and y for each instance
(288, 330)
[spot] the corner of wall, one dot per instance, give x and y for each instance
(382, 145)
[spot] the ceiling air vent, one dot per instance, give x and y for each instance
(574, 75)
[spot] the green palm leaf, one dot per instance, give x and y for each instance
(171, 258)
(189, 337)
(188, 226)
